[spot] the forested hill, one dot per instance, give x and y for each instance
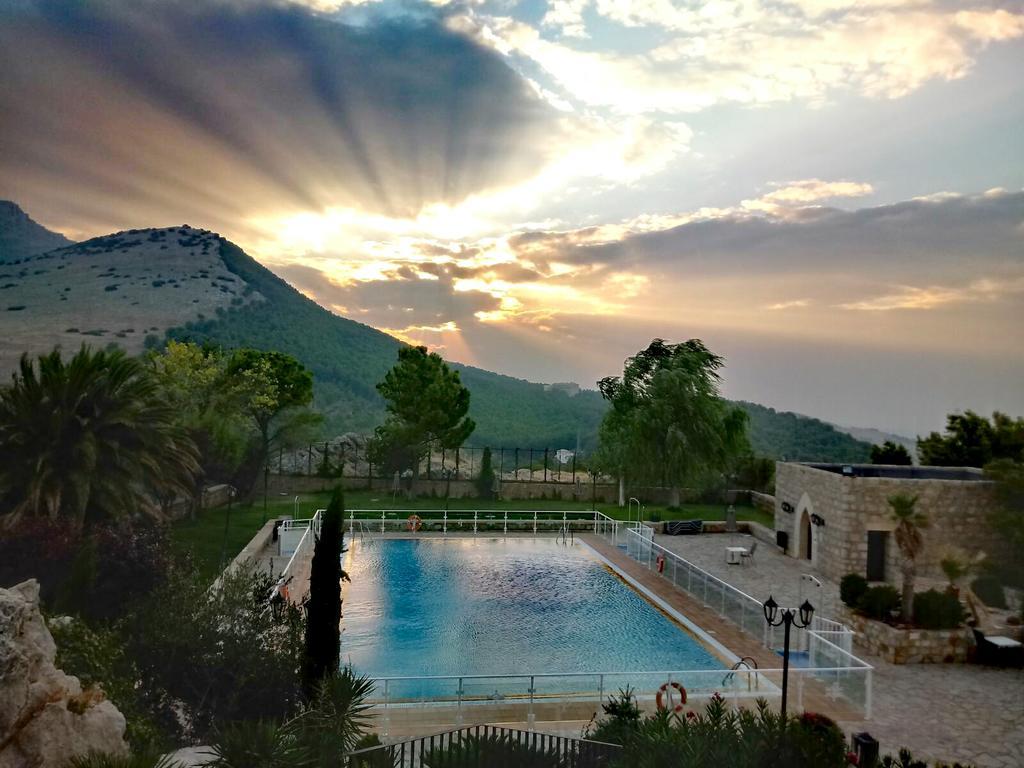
(135, 288)
(785, 435)
(348, 359)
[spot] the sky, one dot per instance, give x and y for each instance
(830, 193)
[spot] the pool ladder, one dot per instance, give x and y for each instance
(744, 665)
(565, 534)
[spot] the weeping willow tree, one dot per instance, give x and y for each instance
(668, 425)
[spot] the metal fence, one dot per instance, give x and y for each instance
(362, 522)
(485, 746)
(352, 460)
(822, 650)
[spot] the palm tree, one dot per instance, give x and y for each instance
(909, 523)
(88, 439)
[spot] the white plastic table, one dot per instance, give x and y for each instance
(734, 555)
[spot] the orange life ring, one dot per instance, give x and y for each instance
(660, 561)
(664, 692)
(415, 523)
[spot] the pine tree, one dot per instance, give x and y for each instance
(323, 611)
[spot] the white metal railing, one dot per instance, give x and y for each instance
(459, 692)
(310, 528)
(475, 520)
(823, 636)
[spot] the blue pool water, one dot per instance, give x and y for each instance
(461, 606)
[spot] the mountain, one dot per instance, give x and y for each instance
(785, 435)
(139, 287)
(877, 437)
(20, 236)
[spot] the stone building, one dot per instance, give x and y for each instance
(837, 516)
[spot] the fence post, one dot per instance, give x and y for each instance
(534, 522)
(446, 521)
(545, 465)
(506, 522)
(382, 521)
(475, 513)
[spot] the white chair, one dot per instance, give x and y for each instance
(748, 556)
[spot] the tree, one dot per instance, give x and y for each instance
(667, 423)
(89, 439)
(909, 523)
(323, 611)
(971, 440)
(890, 453)
(426, 405)
(1007, 516)
(275, 388)
(485, 480)
(207, 401)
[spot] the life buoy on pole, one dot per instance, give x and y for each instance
(660, 562)
(415, 523)
(665, 692)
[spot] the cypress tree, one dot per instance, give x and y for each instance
(323, 610)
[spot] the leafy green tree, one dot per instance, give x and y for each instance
(275, 389)
(194, 381)
(1007, 517)
(971, 440)
(426, 404)
(89, 439)
(323, 611)
(890, 453)
(909, 524)
(668, 424)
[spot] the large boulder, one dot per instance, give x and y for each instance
(46, 718)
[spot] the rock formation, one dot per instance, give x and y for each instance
(46, 718)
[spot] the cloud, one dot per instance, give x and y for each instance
(934, 296)
(220, 111)
(738, 51)
(792, 304)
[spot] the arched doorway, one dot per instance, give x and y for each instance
(806, 537)
(804, 529)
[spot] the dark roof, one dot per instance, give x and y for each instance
(896, 472)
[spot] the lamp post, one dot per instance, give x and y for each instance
(787, 619)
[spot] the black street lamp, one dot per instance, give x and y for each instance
(787, 619)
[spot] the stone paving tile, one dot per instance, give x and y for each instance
(940, 711)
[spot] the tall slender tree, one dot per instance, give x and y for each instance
(89, 439)
(323, 611)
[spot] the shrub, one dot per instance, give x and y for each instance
(852, 589)
(880, 602)
(937, 610)
(990, 591)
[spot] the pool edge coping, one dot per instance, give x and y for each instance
(695, 629)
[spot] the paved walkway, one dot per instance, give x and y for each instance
(940, 711)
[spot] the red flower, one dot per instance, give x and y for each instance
(691, 715)
(852, 759)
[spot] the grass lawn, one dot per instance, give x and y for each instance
(204, 537)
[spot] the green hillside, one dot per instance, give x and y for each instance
(348, 359)
(137, 287)
(785, 435)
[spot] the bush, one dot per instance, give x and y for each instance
(852, 589)
(880, 602)
(937, 610)
(990, 591)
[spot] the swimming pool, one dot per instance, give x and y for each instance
(442, 608)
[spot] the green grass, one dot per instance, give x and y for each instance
(204, 537)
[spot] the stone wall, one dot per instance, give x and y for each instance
(850, 506)
(763, 501)
(909, 646)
